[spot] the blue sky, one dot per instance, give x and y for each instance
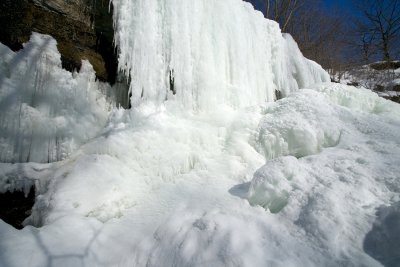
(340, 3)
(343, 5)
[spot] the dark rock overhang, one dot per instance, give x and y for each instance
(83, 30)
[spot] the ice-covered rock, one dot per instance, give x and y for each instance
(46, 112)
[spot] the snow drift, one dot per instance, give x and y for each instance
(206, 170)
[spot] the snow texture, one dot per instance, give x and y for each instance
(161, 188)
(215, 175)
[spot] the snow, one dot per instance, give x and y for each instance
(162, 188)
(221, 177)
(368, 77)
(389, 94)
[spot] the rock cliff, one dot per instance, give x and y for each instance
(83, 30)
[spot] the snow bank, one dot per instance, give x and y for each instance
(285, 131)
(45, 111)
(205, 53)
(303, 124)
(318, 125)
(271, 184)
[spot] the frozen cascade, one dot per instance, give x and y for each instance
(211, 52)
(191, 52)
(202, 171)
(46, 112)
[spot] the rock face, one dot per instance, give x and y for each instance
(83, 30)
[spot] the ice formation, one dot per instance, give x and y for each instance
(216, 52)
(46, 112)
(203, 171)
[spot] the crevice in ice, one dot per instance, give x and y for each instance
(16, 205)
(172, 82)
(278, 95)
(120, 90)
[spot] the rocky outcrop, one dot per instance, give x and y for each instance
(83, 30)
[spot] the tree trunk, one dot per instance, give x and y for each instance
(386, 54)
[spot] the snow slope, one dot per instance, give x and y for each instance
(159, 189)
(218, 177)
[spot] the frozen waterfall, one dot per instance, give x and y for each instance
(46, 112)
(205, 53)
(205, 169)
(199, 55)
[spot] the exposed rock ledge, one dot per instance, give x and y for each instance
(82, 28)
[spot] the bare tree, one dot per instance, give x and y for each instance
(283, 11)
(367, 46)
(321, 35)
(382, 19)
(361, 41)
(319, 31)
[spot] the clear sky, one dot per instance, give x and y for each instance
(342, 5)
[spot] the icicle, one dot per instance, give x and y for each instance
(216, 59)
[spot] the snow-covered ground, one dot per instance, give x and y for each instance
(213, 175)
(385, 82)
(162, 189)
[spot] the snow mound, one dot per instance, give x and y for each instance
(304, 124)
(219, 237)
(46, 112)
(287, 129)
(272, 183)
(359, 99)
